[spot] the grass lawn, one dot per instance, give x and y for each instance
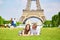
(46, 34)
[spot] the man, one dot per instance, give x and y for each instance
(14, 20)
(35, 30)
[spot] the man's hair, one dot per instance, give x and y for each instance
(35, 25)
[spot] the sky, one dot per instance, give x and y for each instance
(14, 8)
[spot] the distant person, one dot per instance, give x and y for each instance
(26, 31)
(14, 22)
(34, 30)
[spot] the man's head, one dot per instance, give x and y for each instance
(14, 18)
(34, 26)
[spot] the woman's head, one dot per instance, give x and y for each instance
(27, 28)
(34, 26)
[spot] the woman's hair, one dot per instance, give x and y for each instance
(26, 31)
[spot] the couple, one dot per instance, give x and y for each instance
(30, 30)
(13, 22)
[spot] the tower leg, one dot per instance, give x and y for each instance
(28, 4)
(38, 5)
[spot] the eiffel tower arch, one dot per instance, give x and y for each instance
(27, 13)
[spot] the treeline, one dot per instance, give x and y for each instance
(55, 22)
(3, 21)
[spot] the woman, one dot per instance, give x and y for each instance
(26, 31)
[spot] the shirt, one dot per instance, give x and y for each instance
(35, 32)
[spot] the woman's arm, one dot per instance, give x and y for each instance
(26, 34)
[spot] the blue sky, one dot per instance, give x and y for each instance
(13, 8)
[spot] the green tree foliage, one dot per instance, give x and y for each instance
(6, 21)
(56, 20)
(59, 18)
(1, 20)
(47, 23)
(18, 23)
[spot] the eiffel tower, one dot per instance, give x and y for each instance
(27, 13)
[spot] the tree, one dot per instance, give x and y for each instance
(18, 23)
(6, 22)
(56, 20)
(47, 23)
(59, 19)
(1, 20)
